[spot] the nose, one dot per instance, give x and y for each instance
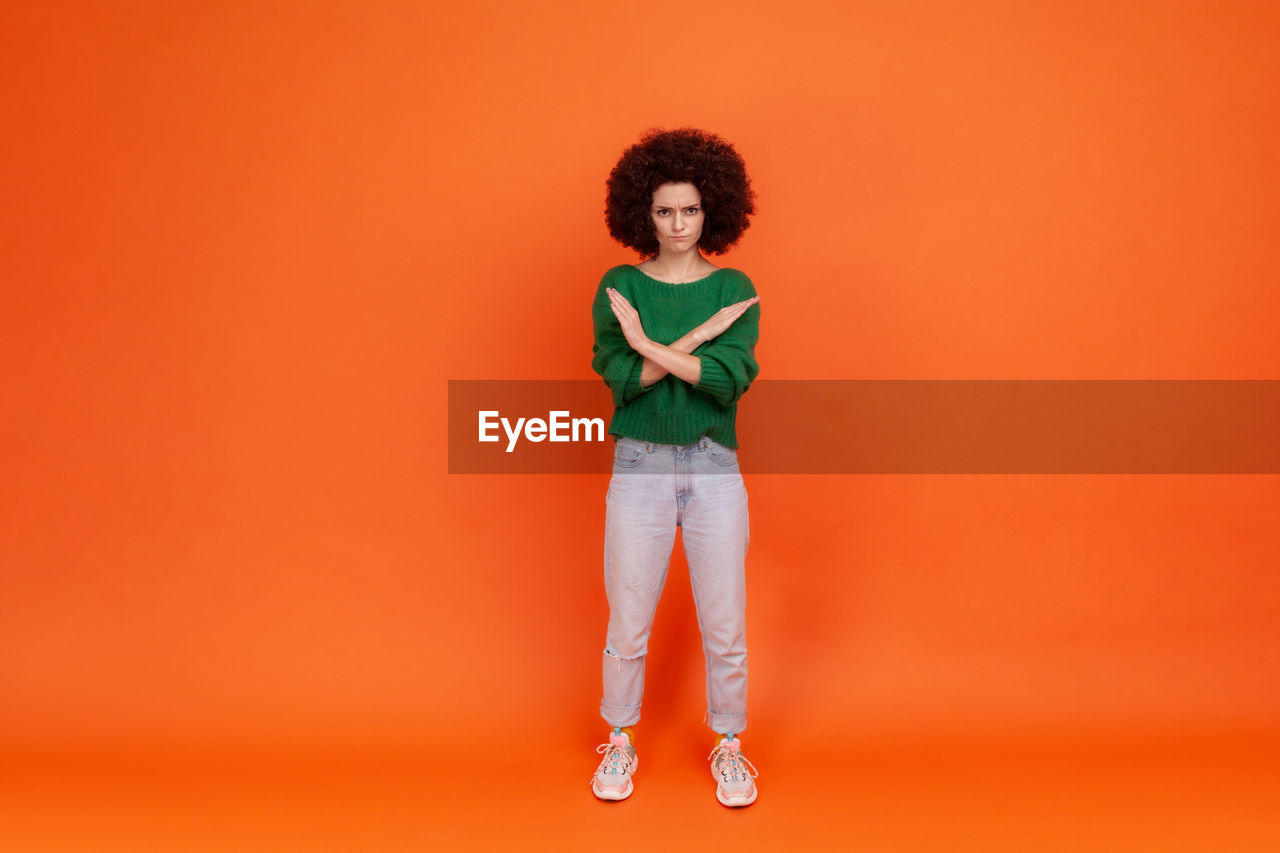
(678, 225)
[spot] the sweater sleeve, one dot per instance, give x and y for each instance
(728, 362)
(612, 357)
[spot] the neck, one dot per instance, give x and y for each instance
(679, 267)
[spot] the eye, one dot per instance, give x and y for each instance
(662, 211)
(691, 210)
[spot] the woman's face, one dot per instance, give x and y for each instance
(677, 216)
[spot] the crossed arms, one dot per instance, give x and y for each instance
(659, 360)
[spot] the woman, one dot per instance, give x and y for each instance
(674, 341)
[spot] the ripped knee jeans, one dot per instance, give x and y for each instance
(656, 488)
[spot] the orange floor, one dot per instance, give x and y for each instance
(1201, 793)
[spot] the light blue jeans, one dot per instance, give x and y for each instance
(656, 488)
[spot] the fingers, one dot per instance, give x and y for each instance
(619, 302)
(737, 309)
(628, 317)
(728, 315)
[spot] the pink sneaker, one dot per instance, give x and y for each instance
(613, 777)
(733, 773)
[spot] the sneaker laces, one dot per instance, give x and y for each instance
(615, 761)
(738, 763)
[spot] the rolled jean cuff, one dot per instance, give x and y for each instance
(620, 716)
(726, 723)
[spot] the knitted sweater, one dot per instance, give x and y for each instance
(671, 411)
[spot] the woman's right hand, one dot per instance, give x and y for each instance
(723, 319)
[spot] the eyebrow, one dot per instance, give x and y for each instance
(665, 206)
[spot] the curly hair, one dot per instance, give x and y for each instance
(683, 155)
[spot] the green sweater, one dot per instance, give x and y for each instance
(671, 411)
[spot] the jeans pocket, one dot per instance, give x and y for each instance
(721, 455)
(628, 455)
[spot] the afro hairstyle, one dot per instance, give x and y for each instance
(683, 155)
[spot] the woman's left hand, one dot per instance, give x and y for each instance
(628, 319)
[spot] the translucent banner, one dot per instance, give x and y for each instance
(899, 427)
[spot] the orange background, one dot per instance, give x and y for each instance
(246, 245)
